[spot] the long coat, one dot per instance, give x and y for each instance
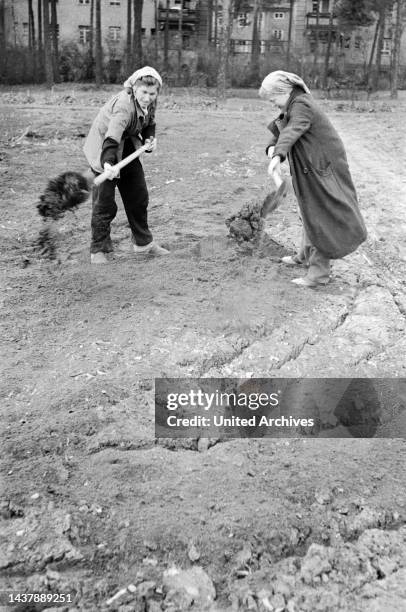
(120, 118)
(320, 175)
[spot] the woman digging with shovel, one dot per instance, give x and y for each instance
(125, 122)
(332, 223)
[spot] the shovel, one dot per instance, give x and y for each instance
(273, 199)
(124, 162)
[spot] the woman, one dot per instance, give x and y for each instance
(332, 223)
(122, 125)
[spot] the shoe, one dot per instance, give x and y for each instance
(307, 282)
(150, 249)
(98, 258)
(288, 260)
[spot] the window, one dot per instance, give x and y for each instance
(114, 33)
(84, 1)
(25, 29)
(386, 46)
(279, 15)
(322, 6)
(84, 34)
(278, 34)
(358, 42)
(242, 19)
(114, 2)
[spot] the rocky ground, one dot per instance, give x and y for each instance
(91, 502)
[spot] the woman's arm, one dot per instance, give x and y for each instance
(300, 120)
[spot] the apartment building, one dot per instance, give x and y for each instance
(74, 21)
(305, 22)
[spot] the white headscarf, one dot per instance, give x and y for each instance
(281, 82)
(143, 72)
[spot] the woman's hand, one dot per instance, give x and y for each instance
(271, 149)
(110, 171)
(274, 170)
(150, 143)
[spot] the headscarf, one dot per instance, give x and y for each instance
(281, 82)
(142, 72)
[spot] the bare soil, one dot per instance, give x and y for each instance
(91, 502)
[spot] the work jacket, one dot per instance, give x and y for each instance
(120, 118)
(320, 175)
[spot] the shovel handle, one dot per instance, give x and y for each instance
(100, 178)
(277, 179)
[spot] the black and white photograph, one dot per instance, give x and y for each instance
(203, 305)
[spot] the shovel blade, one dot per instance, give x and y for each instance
(273, 199)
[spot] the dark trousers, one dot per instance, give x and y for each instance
(134, 193)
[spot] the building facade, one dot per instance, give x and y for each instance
(303, 24)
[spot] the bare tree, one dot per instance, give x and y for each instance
(156, 23)
(381, 34)
(54, 36)
(3, 46)
(329, 41)
(397, 32)
(166, 38)
(32, 43)
(224, 48)
(288, 48)
(98, 46)
(41, 60)
(91, 37)
(128, 48)
(180, 42)
(372, 53)
(137, 34)
(255, 41)
(49, 76)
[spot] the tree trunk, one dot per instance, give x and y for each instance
(291, 3)
(316, 41)
(49, 76)
(166, 38)
(371, 57)
(203, 22)
(32, 43)
(98, 46)
(180, 46)
(224, 49)
(209, 20)
(381, 34)
(91, 40)
(55, 50)
(3, 46)
(328, 50)
(128, 49)
(216, 25)
(41, 59)
(396, 51)
(255, 43)
(137, 40)
(156, 21)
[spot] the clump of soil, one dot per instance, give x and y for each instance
(65, 192)
(46, 243)
(247, 225)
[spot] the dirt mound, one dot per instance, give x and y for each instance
(248, 223)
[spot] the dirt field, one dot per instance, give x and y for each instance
(90, 501)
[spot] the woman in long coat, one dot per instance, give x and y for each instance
(332, 223)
